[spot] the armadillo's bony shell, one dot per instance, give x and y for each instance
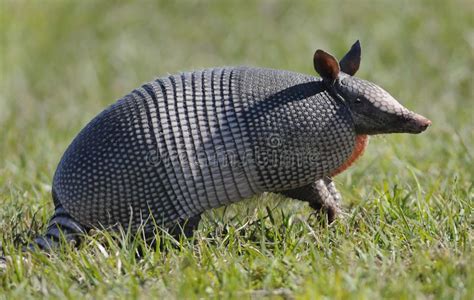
(186, 143)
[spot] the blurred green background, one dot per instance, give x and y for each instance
(62, 62)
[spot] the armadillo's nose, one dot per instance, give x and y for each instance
(420, 123)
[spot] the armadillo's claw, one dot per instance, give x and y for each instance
(3, 263)
(329, 207)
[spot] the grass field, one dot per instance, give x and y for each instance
(408, 231)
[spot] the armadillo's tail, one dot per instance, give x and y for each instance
(62, 226)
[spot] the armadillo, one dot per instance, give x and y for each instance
(182, 144)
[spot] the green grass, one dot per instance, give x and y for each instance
(408, 231)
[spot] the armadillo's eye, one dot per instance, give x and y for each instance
(358, 101)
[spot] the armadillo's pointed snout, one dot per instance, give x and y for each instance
(419, 123)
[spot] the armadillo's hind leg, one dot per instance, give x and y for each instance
(321, 195)
(185, 227)
(60, 226)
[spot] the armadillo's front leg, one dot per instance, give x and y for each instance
(329, 198)
(321, 195)
(332, 190)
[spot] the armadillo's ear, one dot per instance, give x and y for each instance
(351, 61)
(326, 65)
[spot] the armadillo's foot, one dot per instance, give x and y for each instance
(328, 199)
(61, 227)
(321, 195)
(185, 227)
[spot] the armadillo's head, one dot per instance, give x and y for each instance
(374, 111)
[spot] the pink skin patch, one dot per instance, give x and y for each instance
(360, 144)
